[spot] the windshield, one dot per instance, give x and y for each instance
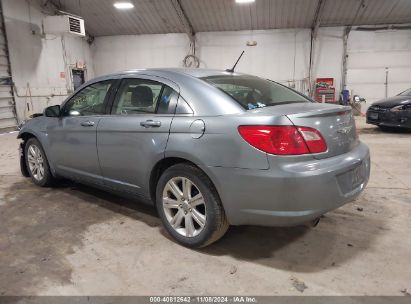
(406, 93)
(252, 92)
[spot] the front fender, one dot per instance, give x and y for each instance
(32, 127)
(35, 127)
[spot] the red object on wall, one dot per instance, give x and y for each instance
(324, 90)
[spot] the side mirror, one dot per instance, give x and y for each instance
(52, 111)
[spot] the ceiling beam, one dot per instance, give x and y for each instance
(188, 28)
(315, 25)
(357, 13)
(317, 18)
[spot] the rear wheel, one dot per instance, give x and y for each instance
(37, 164)
(189, 206)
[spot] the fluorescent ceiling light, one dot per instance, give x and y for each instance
(244, 1)
(123, 5)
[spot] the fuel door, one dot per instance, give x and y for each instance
(197, 128)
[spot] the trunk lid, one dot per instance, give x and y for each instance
(335, 123)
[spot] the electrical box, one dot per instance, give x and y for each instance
(64, 24)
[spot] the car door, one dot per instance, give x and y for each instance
(73, 137)
(134, 137)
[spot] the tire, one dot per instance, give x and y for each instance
(208, 211)
(46, 178)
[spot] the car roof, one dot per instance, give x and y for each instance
(194, 72)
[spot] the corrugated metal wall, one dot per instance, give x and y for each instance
(7, 108)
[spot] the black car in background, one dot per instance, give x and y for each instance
(391, 112)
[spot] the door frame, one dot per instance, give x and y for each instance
(60, 121)
(118, 184)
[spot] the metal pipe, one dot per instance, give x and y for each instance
(382, 28)
(345, 58)
(313, 223)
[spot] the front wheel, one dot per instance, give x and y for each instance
(37, 164)
(189, 206)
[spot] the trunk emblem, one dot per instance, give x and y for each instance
(345, 130)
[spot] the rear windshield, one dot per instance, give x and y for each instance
(252, 92)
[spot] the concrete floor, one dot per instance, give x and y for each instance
(77, 240)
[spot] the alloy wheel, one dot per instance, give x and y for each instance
(184, 206)
(36, 162)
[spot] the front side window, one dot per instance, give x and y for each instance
(137, 96)
(252, 92)
(89, 101)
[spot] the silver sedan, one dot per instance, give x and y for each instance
(208, 148)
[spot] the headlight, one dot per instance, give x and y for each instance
(397, 108)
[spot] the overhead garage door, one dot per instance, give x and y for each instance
(7, 108)
(379, 64)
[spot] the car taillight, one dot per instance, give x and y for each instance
(314, 140)
(284, 140)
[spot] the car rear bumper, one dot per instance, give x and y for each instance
(291, 193)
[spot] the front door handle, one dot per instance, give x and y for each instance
(87, 123)
(150, 123)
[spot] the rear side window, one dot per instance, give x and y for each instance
(253, 92)
(167, 101)
(183, 107)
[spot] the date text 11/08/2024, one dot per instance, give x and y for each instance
(203, 299)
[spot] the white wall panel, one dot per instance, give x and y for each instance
(328, 55)
(281, 55)
(375, 59)
(373, 76)
(37, 60)
(117, 53)
(371, 54)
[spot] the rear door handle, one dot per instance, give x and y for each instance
(150, 123)
(87, 123)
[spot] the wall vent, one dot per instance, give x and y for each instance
(64, 24)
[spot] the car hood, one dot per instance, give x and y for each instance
(393, 101)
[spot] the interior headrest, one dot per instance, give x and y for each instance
(142, 96)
